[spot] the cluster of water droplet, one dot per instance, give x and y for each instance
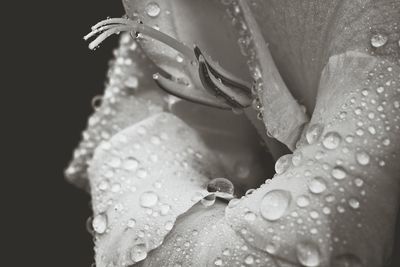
(112, 109)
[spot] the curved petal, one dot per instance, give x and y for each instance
(326, 205)
(129, 97)
(148, 175)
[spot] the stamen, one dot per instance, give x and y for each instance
(221, 73)
(215, 86)
(221, 89)
(188, 93)
(132, 26)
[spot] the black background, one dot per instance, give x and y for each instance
(49, 77)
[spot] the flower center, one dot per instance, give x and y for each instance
(216, 87)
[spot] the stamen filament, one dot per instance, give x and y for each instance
(129, 25)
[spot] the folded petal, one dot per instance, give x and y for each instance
(130, 96)
(142, 180)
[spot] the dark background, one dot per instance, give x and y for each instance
(49, 77)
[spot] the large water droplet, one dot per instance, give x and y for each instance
(99, 223)
(331, 140)
(378, 40)
(308, 254)
(139, 252)
(317, 185)
(362, 158)
(152, 9)
(148, 199)
(314, 133)
(222, 185)
(283, 163)
(346, 260)
(274, 204)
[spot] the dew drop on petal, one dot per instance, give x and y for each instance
(283, 163)
(317, 185)
(338, 173)
(250, 216)
(358, 182)
(130, 163)
(378, 40)
(362, 158)
(139, 252)
(99, 223)
(148, 199)
(303, 201)
(249, 260)
(131, 223)
(152, 9)
(271, 248)
(354, 203)
(314, 133)
(218, 262)
(346, 260)
(308, 254)
(169, 225)
(331, 140)
(222, 185)
(274, 204)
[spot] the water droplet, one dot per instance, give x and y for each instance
(386, 142)
(132, 82)
(148, 199)
(274, 204)
(249, 260)
(271, 248)
(99, 223)
(250, 216)
(308, 254)
(139, 252)
(220, 185)
(130, 163)
(317, 185)
(339, 173)
(314, 133)
(169, 225)
(378, 40)
(141, 173)
(303, 201)
(297, 158)
(97, 101)
(354, 203)
(283, 163)
(380, 89)
(331, 140)
(358, 182)
(152, 9)
(346, 260)
(131, 223)
(362, 158)
(218, 262)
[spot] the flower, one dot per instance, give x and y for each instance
(153, 159)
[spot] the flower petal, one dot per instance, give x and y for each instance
(148, 175)
(129, 97)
